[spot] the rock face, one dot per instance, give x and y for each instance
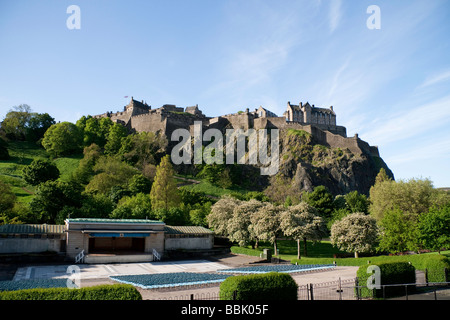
(305, 163)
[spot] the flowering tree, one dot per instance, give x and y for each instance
(265, 223)
(302, 222)
(221, 214)
(356, 233)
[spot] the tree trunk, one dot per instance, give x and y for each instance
(298, 249)
(275, 246)
(305, 251)
(356, 254)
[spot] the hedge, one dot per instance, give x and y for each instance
(390, 273)
(267, 286)
(100, 292)
(434, 263)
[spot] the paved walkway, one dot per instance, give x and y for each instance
(103, 271)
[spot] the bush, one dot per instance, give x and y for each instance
(101, 292)
(391, 273)
(267, 286)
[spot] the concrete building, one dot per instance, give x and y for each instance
(105, 240)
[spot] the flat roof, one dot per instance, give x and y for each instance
(113, 221)
(186, 230)
(32, 229)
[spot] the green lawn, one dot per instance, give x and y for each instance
(22, 154)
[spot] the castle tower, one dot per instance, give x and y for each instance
(306, 112)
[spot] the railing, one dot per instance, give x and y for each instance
(156, 255)
(80, 257)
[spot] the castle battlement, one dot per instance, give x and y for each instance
(320, 122)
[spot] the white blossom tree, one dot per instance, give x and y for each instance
(356, 233)
(221, 214)
(302, 222)
(265, 223)
(239, 226)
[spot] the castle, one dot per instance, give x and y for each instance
(320, 122)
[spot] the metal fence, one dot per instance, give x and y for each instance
(350, 290)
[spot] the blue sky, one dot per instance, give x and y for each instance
(391, 86)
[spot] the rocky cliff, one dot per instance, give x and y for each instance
(305, 163)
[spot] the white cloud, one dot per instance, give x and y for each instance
(436, 78)
(335, 14)
(408, 123)
(437, 150)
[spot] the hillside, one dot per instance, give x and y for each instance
(304, 164)
(22, 154)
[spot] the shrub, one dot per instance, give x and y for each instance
(100, 292)
(390, 273)
(267, 286)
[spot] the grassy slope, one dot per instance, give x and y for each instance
(22, 154)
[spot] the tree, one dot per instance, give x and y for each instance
(414, 196)
(164, 193)
(265, 222)
(116, 134)
(110, 172)
(62, 139)
(134, 207)
(356, 233)
(398, 231)
(302, 222)
(85, 170)
(142, 149)
(239, 229)
(4, 154)
(52, 196)
(23, 124)
(356, 202)
(139, 184)
(434, 228)
(40, 171)
(321, 199)
(7, 198)
(221, 214)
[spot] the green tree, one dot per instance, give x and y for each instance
(40, 171)
(7, 197)
(21, 123)
(414, 196)
(62, 139)
(398, 231)
(4, 154)
(356, 233)
(52, 196)
(144, 148)
(302, 222)
(85, 170)
(164, 193)
(139, 184)
(134, 207)
(356, 202)
(434, 228)
(116, 134)
(110, 172)
(321, 199)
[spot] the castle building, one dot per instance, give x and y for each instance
(138, 116)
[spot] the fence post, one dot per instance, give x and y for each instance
(357, 288)
(340, 289)
(406, 291)
(426, 277)
(311, 291)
